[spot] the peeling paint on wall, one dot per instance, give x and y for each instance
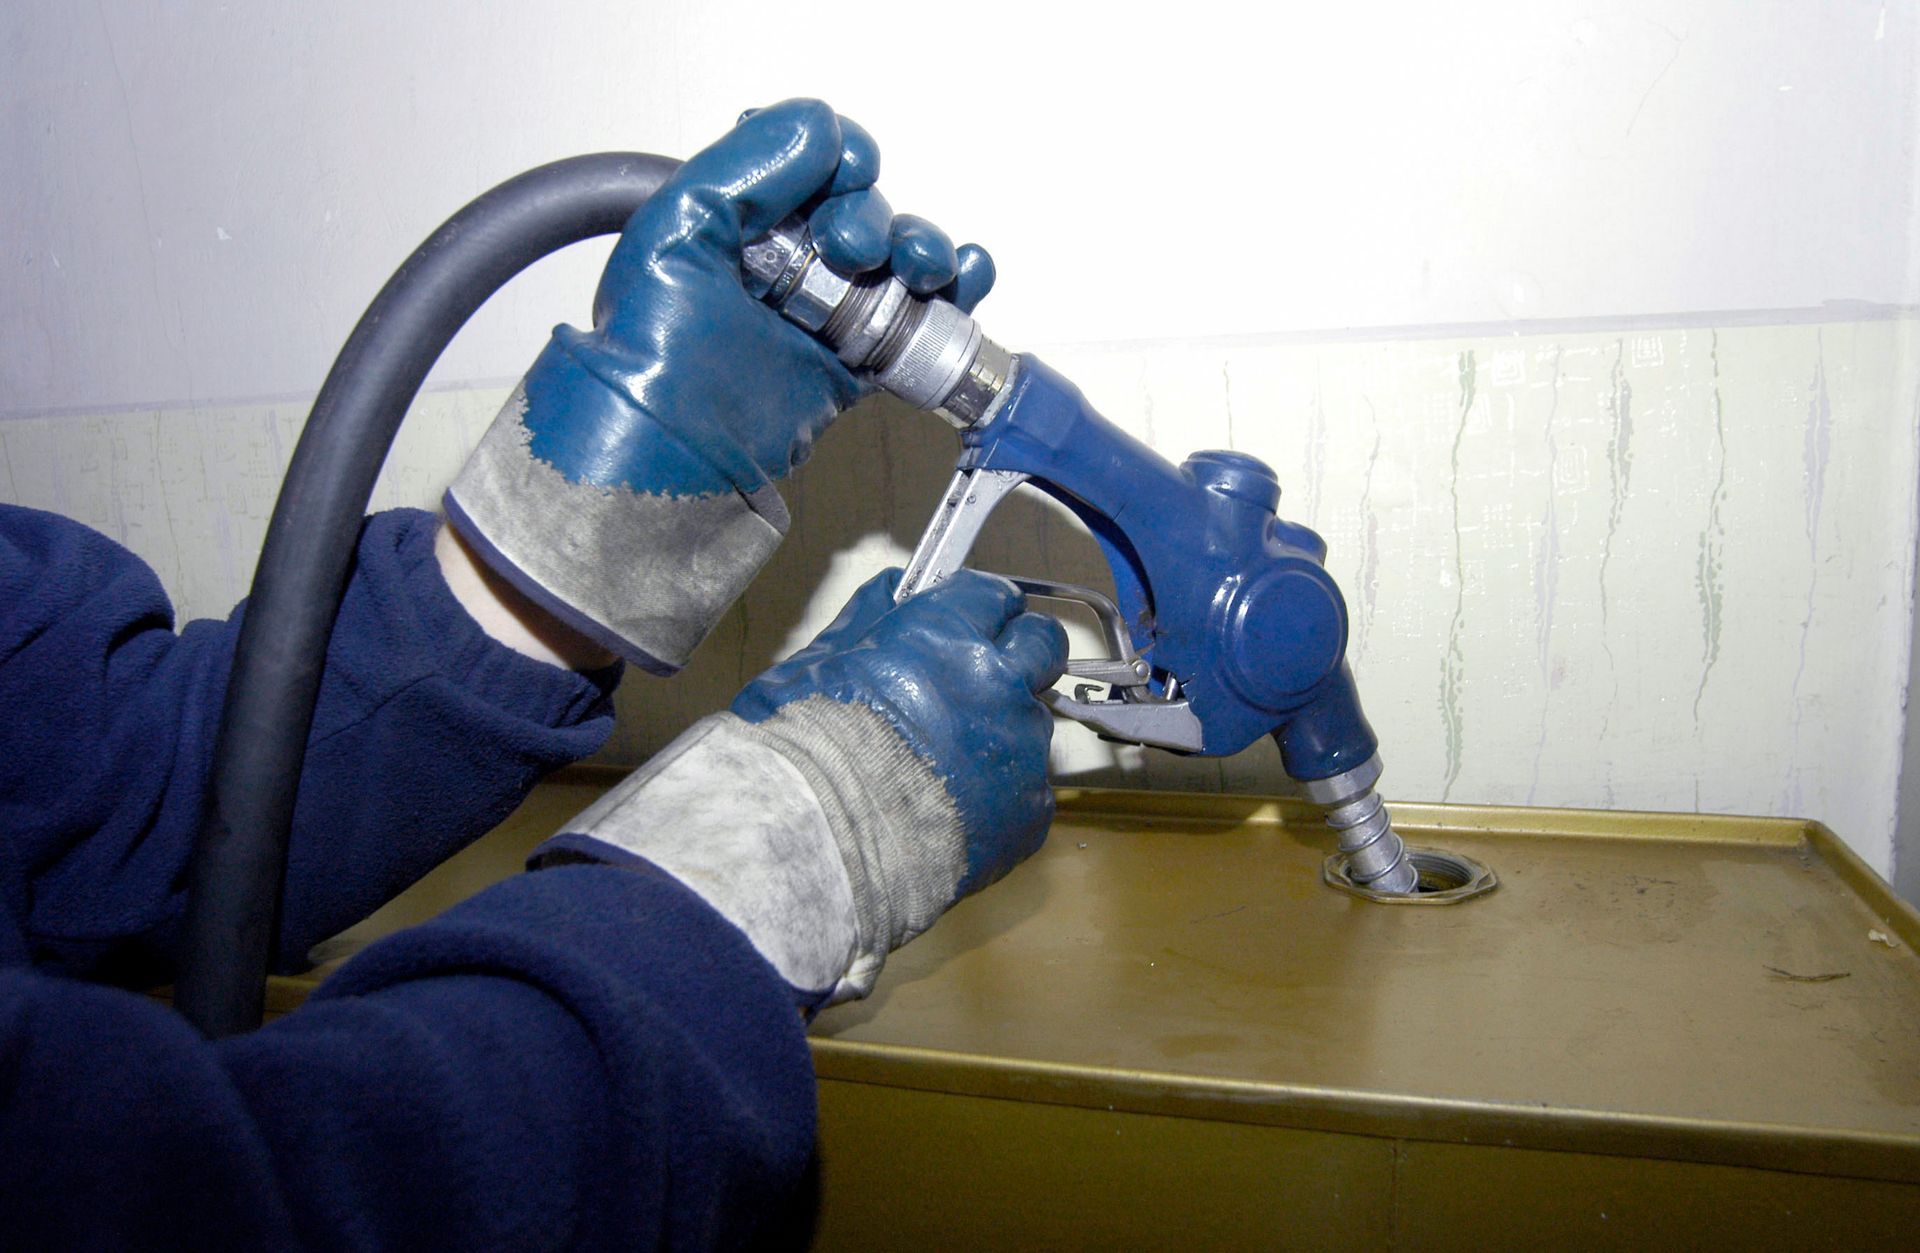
(1713, 541)
(1453, 662)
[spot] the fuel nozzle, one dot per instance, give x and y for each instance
(921, 349)
(1232, 599)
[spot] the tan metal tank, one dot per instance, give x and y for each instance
(1165, 1031)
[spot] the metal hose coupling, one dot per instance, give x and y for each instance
(925, 351)
(1371, 854)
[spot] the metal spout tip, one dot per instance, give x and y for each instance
(1442, 877)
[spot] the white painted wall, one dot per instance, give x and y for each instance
(200, 198)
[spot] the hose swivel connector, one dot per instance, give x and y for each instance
(925, 351)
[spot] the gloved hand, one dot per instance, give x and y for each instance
(857, 789)
(627, 487)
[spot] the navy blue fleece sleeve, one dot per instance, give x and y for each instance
(427, 733)
(583, 1057)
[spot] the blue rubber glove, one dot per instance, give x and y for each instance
(859, 788)
(954, 674)
(628, 485)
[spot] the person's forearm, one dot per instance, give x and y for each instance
(586, 1057)
(508, 616)
(428, 731)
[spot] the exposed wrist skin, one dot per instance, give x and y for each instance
(508, 616)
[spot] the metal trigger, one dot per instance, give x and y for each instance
(971, 498)
(1131, 711)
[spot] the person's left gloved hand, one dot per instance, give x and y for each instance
(857, 789)
(628, 486)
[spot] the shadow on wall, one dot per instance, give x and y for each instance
(859, 505)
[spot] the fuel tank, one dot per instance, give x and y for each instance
(1166, 1031)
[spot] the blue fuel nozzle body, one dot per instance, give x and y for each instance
(1225, 625)
(1221, 595)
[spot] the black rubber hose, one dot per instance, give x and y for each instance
(240, 858)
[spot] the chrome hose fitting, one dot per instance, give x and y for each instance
(925, 351)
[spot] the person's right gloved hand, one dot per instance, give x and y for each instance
(857, 789)
(628, 486)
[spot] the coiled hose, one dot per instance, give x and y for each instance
(240, 856)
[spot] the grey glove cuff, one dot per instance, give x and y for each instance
(819, 833)
(738, 823)
(647, 576)
(896, 826)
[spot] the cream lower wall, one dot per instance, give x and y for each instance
(1657, 568)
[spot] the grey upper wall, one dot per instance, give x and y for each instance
(201, 197)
